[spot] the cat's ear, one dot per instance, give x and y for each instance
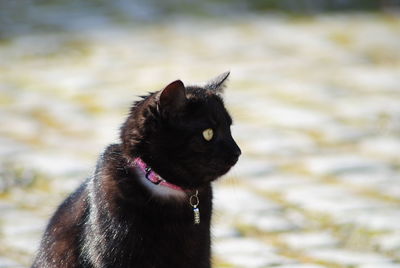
(173, 97)
(218, 83)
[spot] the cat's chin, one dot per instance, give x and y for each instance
(224, 170)
(215, 176)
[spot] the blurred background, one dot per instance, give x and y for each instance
(314, 91)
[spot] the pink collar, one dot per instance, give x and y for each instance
(154, 177)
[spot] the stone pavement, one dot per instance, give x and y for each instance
(316, 105)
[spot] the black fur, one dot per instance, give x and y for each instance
(113, 220)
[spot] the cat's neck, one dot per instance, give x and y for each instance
(156, 184)
(153, 177)
(162, 191)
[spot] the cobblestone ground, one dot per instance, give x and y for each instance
(316, 108)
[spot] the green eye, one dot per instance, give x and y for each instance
(208, 134)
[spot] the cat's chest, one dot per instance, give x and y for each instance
(164, 236)
(169, 245)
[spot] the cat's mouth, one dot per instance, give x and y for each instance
(223, 169)
(193, 179)
(226, 169)
(229, 164)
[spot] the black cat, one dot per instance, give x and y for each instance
(149, 202)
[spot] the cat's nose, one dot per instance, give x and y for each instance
(236, 152)
(233, 151)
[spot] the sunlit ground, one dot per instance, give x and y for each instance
(316, 105)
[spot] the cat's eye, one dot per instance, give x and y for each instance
(208, 134)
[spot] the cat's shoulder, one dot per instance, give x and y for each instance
(112, 154)
(114, 148)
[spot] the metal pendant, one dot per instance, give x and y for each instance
(196, 212)
(194, 202)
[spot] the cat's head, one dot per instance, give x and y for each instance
(183, 133)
